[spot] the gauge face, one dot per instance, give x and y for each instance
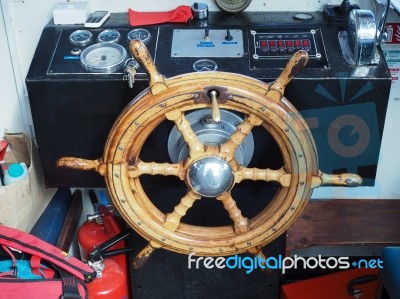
(80, 37)
(203, 65)
(139, 34)
(232, 6)
(103, 58)
(109, 36)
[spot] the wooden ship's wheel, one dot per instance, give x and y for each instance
(210, 170)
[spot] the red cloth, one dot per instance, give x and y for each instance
(181, 14)
(3, 147)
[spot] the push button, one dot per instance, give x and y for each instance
(306, 44)
(289, 46)
(264, 45)
(281, 47)
(273, 49)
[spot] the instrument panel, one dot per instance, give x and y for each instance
(106, 50)
(98, 51)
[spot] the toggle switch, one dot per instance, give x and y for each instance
(206, 34)
(228, 36)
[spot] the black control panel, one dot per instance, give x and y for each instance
(78, 85)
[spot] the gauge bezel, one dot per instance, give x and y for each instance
(111, 68)
(115, 40)
(83, 42)
(230, 7)
(195, 64)
(145, 41)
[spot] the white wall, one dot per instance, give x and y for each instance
(10, 111)
(24, 20)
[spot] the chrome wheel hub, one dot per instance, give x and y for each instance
(210, 176)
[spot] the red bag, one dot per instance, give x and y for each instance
(62, 276)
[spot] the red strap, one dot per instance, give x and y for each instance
(181, 14)
(38, 269)
(32, 245)
(13, 271)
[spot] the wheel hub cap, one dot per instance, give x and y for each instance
(210, 176)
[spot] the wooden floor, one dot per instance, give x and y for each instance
(346, 222)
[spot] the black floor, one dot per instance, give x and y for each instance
(167, 275)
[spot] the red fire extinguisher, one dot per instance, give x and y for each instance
(110, 282)
(98, 234)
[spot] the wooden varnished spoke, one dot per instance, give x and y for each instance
(154, 168)
(196, 147)
(173, 219)
(229, 147)
(83, 164)
(295, 64)
(268, 175)
(344, 179)
(280, 176)
(144, 255)
(240, 223)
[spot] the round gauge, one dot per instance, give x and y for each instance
(232, 6)
(203, 65)
(140, 34)
(80, 37)
(109, 36)
(103, 58)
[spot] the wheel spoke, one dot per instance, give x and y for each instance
(344, 179)
(256, 251)
(154, 168)
(268, 175)
(280, 176)
(173, 219)
(144, 255)
(196, 147)
(240, 223)
(229, 147)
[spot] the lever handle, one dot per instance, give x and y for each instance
(141, 53)
(296, 63)
(215, 114)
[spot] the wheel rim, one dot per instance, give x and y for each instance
(263, 105)
(138, 121)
